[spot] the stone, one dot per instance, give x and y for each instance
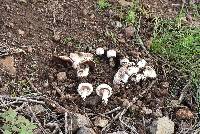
(119, 132)
(125, 3)
(21, 32)
(147, 111)
(8, 64)
(23, 1)
(129, 31)
(77, 121)
(56, 36)
(61, 76)
(162, 126)
(85, 130)
(184, 113)
(100, 122)
(37, 109)
(118, 24)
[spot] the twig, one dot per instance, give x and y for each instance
(183, 92)
(112, 111)
(132, 128)
(36, 120)
(18, 100)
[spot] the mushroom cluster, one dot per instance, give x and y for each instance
(111, 54)
(80, 61)
(103, 90)
(137, 72)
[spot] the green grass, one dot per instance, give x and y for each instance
(180, 44)
(131, 14)
(103, 4)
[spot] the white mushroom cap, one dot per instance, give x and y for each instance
(141, 63)
(99, 51)
(85, 89)
(125, 78)
(139, 77)
(149, 72)
(124, 61)
(80, 57)
(105, 91)
(111, 53)
(121, 75)
(132, 70)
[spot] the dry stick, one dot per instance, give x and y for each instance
(183, 92)
(36, 120)
(132, 128)
(113, 120)
(112, 111)
(18, 100)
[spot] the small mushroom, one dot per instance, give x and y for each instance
(139, 77)
(99, 51)
(85, 89)
(132, 70)
(121, 76)
(80, 61)
(111, 54)
(141, 63)
(104, 91)
(149, 72)
(124, 61)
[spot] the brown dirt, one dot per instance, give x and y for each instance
(32, 27)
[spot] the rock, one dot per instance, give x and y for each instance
(8, 64)
(85, 130)
(29, 49)
(184, 113)
(129, 31)
(56, 36)
(119, 132)
(125, 3)
(37, 109)
(23, 1)
(162, 126)
(21, 32)
(77, 121)
(158, 113)
(147, 110)
(100, 122)
(61, 76)
(118, 24)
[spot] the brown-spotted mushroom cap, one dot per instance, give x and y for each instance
(105, 91)
(85, 89)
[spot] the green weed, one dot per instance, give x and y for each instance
(180, 44)
(16, 124)
(103, 4)
(132, 12)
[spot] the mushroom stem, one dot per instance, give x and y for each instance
(111, 62)
(84, 94)
(105, 96)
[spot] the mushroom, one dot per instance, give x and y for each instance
(132, 70)
(99, 51)
(139, 77)
(141, 63)
(80, 61)
(124, 61)
(104, 91)
(85, 89)
(111, 54)
(149, 72)
(121, 76)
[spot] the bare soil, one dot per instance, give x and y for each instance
(42, 30)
